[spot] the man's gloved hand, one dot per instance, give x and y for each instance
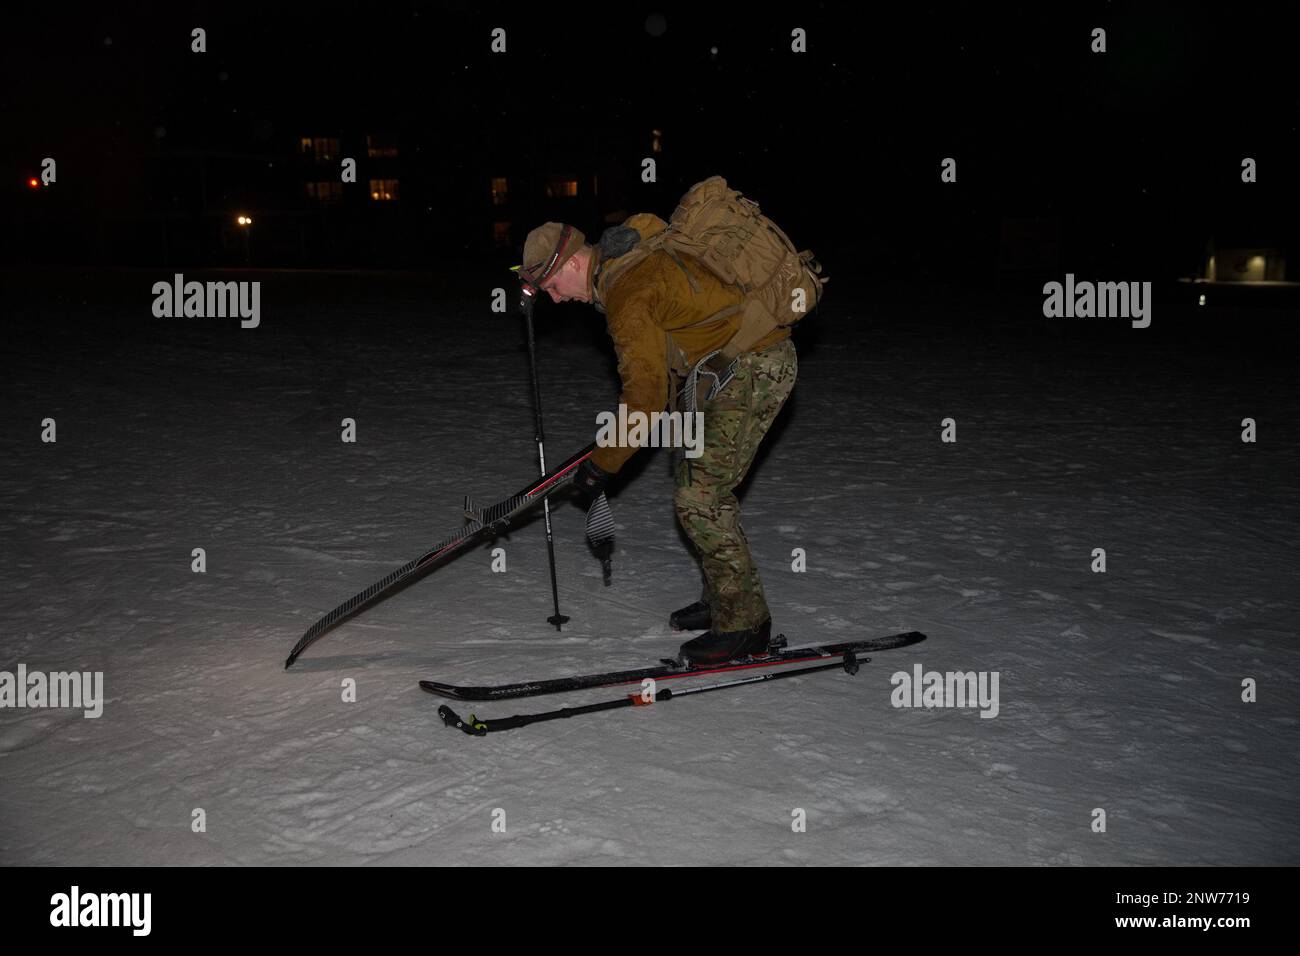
(590, 479)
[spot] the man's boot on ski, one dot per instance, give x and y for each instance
(718, 647)
(693, 617)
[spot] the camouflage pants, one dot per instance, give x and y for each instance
(735, 422)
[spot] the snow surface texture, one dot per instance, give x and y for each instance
(1119, 691)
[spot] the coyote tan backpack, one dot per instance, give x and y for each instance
(728, 235)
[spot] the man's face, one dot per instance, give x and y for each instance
(570, 283)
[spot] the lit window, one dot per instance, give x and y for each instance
(381, 146)
(321, 149)
(501, 233)
(655, 146)
(561, 187)
(383, 190)
(500, 192)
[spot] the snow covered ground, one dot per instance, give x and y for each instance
(1120, 691)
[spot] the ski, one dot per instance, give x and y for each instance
(849, 662)
(669, 669)
(488, 520)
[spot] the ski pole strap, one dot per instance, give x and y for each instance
(600, 534)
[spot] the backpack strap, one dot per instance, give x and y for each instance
(677, 358)
(695, 286)
(755, 323)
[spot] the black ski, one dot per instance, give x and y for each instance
(670, 669)
(475, 727)
(480, 522)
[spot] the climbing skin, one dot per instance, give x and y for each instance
(735, 422)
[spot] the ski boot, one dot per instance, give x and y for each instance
(693, 617)
(719, 647)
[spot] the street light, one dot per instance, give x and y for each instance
(244, 222)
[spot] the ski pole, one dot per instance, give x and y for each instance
(526, 306)
(481, 728)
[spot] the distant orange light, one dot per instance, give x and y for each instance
(34, 183)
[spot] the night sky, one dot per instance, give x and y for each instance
(1133, 154)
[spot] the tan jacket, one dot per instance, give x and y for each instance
(654, 318)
